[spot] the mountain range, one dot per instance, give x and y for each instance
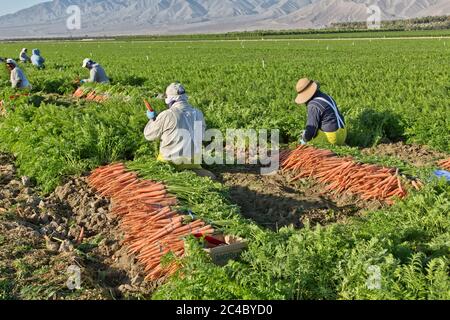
(133, 17)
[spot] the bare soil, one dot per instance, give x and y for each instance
(38, 243)
(417, 155)
(274, 201)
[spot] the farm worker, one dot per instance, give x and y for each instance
(18, 78)
(23, 56)
(37, 60)
(180, 129)
(325, 123)
(97, 73)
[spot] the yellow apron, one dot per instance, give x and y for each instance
(335, 138)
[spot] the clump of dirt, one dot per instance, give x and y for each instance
(274, 201)
(417, 155)
(71, 226)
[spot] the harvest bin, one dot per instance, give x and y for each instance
(220, 255)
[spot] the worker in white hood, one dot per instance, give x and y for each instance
(18, 78)
(181, 130)
(24, 56)
(97, 73)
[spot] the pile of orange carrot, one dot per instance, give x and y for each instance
(344, 174)
(445, 164)
(91, 96)
(152, 229)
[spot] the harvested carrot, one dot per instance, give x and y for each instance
(80, 236)
(342, 175)
(445, 164)
(152, 229)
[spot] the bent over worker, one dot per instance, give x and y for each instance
(37, 60)
(24, 58)
(181, 129)
(97, 73)
(18, 78)
(325, 122)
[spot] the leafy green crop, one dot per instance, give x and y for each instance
(53, 142)
(408, 243)
(387, 89)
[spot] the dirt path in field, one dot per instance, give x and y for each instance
(38, 243)
(274, 201)
(417, 155)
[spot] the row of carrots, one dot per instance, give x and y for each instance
(345, 175)
(91, 95)
(445, 164)
(152, 229)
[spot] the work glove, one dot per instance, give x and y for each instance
(302, 141)
(151, 115)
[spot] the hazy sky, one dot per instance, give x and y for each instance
(10, 6)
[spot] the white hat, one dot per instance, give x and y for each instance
(11, 61)
(86, 62)
(175, 89)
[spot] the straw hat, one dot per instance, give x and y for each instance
(306, 89)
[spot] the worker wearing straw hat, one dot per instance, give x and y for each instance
(325, 124)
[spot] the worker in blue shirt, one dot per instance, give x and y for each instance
(37, 60)
(325, 124)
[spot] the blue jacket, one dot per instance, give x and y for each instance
(36, 58)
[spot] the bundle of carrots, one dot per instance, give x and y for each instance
(445, 164)
(17, 96)
(152, 229)
(79, 93)
(91, 96)
(345, 175)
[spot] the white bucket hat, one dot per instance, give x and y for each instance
(11, 61)
(86, 62)
(175, 89)
(175, 92)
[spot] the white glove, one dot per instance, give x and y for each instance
(301, 141)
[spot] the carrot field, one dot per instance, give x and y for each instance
(305, 241)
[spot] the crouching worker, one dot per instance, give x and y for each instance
(18, 78)
(97, 73)
(24, 58)
(325, 122)
(37, 60)
(180, 129)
